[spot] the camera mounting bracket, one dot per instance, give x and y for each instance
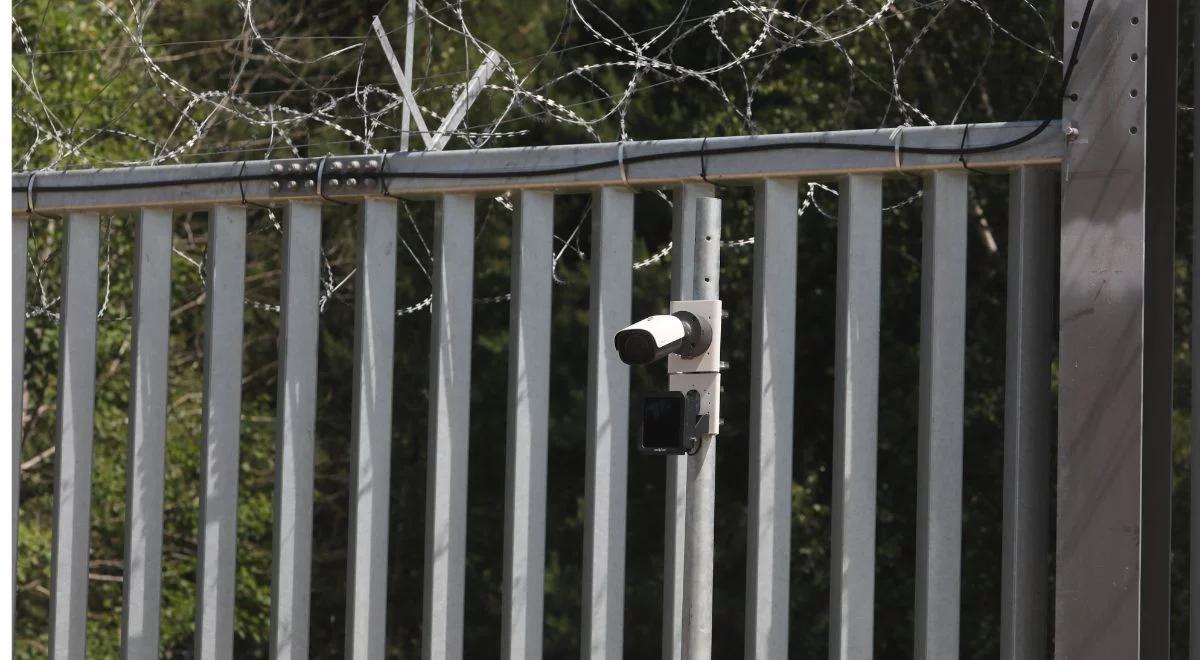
(703, 372)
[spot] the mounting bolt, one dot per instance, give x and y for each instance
(278, 168)
(337, 166)
(274, 185)
(354, 165)
(296, 167)
(1071, 131)
(724, 365)
(292, 185)
(372, 164)
(312, 167)
(351, 182)
(334, 183)
(309, 183)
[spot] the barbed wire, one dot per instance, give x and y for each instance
(588, 79)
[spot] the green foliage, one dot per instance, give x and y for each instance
(811, 89)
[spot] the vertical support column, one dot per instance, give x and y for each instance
(220, 432)
(1115, 294)
(528, 419)
(371, 434)
(1194, 628)
(291, 555)
(772, 385)
(855, 417)
(20, 245)
(683, 238)
(940, 418)
(607, 426)
(73, 453)
(147, 435)
(1028, 424)
(702, 465)
(449, 425)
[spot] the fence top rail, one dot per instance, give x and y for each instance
(566, 168)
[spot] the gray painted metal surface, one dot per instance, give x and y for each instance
(147, 436)
(1111, 228)
(683, 238)
(1099, 577)
(220, 432)
(291, 552)
(462, 169)
(449, 425)
(20, 246)
(1028, 414)
(702, 465)
(73, 454)
(940, 423)
(371, 433)
(855, 417)
(772, 387)
(528, 420)
(607, 427)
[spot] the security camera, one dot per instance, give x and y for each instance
(655, 337)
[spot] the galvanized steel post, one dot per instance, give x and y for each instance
(702, 465)
(1115, 293)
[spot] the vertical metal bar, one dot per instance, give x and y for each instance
(772, 384)
(374, 331)
(73, 453)
(147, 435)
(291, 555)
(702, 465)
(1028, 425)
(855, 417)
(528, 419)
(20, 245)
(940, 417)
(683, 239)
(607, 426)
(217, 564)
(1194, 529)
(1115, 343)
(449, 427)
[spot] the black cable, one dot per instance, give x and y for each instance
(962, 151)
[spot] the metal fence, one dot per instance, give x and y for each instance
(1112, 284)
(772, 164)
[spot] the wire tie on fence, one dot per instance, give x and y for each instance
(962, 151)
(383, 176)
(704, 161)
(30, 198)
(897, 139)
(321, 182)
(621, 164)
(242, 189)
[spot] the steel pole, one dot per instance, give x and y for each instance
(701, 465)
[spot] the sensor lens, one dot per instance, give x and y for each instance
(637, 347)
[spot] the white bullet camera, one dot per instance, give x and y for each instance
(655, 337)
